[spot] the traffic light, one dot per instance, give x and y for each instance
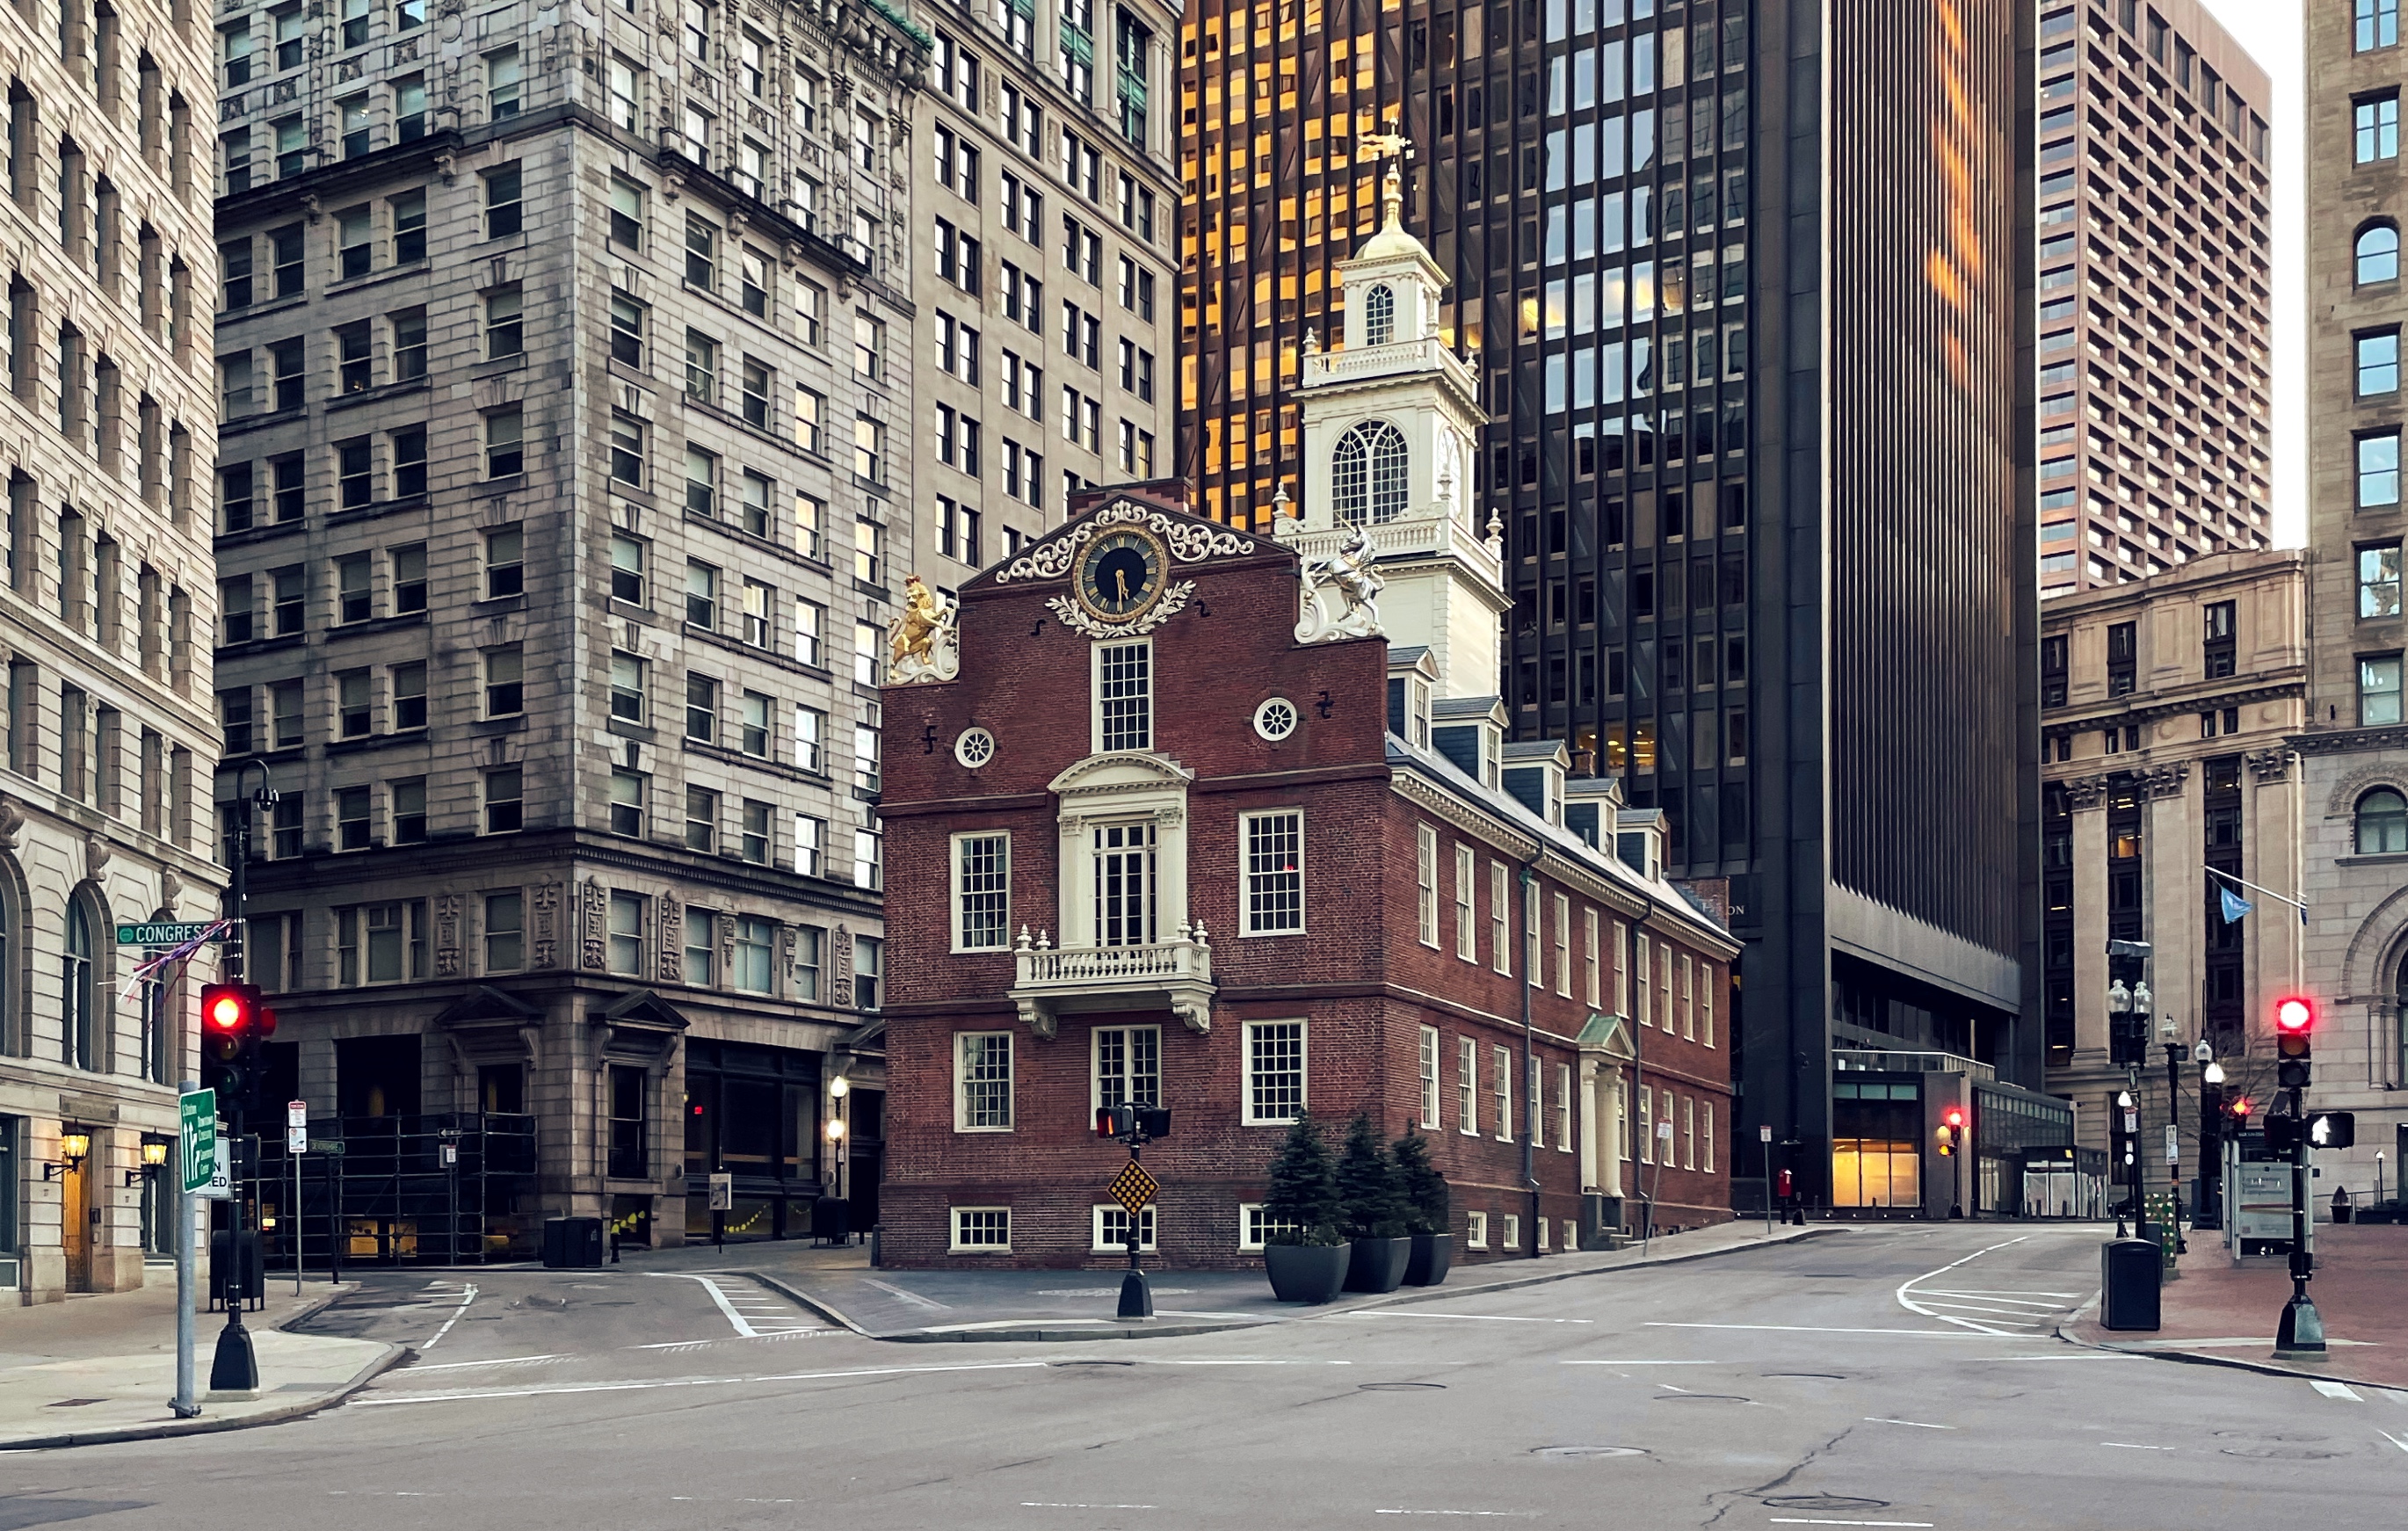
(2240, 1110)
(1951, 1135)
(235, 1024)
(2332, 1130)
(1126, 1120)
(2281, 1134)
(2295, 1018)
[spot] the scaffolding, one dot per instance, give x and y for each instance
(450, 1190)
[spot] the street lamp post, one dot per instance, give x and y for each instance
(235, 1368)
(2132, 1139)
(2173, 1116)
(2208, 1210)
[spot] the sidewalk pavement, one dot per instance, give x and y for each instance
(102, 1367)
(1069, 1305)
(2219, 1313)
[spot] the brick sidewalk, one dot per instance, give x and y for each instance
(2217, 1309)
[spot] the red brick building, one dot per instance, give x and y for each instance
(1172, 814)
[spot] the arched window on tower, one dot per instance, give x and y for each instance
(2382, 822)
(1369, 474)
(2378, 253)
(1379, 314)
(2400, 1034)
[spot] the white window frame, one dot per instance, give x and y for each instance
(1664, 980)
(1563, 1107)
(953, 1231)
(1645, 966)
(1096, 689)
(1500, 1062)
(962, 1081)
(1706, 968)
(1425, 882)
(1564, 945)
(1646, 1125)
(1706, 1159)
(1592, 978)
(1475, 1230)
(1246, 874)
(1304, 1071)
(1541, 1227)
(1095, 1097)
(1427, 1057)
(1621, 970)
(961, 895)
(1534, 1082)
(1102, 1213)
(1500, 936)
(1253, 1228)
(1534, 962)
(1467, 1086)
(1688, 1132)
(1467, 903)
(1689, 1002)
(1511, 1236)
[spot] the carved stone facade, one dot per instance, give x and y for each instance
(107, 432)
(561, 509)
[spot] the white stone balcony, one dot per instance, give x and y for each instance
(1175, 974)
(1407, 537)
(1361, 363)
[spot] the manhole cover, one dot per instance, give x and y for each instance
(1810, 1376)
(1402, 1387)
(1700, 1397)
(1824, 1501)
(1577, 1453)
(2281, 1453)
(1094, 1363)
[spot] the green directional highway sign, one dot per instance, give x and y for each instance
(168, 933)
(197, 1126)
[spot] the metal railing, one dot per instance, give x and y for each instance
(1926, 1061)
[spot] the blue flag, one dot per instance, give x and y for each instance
(2234, 905)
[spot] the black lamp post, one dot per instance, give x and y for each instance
(2209, 1213)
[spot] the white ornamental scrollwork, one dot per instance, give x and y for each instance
(1075, 617)
(1187, 541)
(1341, 591)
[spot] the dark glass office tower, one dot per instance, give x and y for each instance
(1748, 288)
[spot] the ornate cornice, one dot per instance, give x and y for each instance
(1189, 541)
(2350, 740)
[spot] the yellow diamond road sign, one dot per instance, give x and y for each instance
(1133, 1188)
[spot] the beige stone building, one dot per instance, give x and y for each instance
(2354, 746)
(2166, 707)
(2155, 312)
(562, 503)
(108, 424)
(1045, 184)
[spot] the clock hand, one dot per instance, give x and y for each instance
(1120, 577)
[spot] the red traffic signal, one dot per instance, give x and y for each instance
(1105, 1127)
(2295, 1016)
(1955, 1117)
(232, 1019)
(2242, 1107)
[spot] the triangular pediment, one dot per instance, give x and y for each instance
(1609, 1035)
(643, 1010)
(488, 1007)
(1122, 771)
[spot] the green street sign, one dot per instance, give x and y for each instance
(328, 1145)
(198, 1125)
(168, 933)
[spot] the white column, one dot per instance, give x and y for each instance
(1589, 1124)
(1609, 1082)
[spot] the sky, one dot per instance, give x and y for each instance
(2270, 31)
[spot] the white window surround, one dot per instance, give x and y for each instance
(1304, 1071)
(1501, 1064)
(1475, 1230)
(999, 939)
(1103, 1215)
(1096, 689)
(1512, 1238)
(1247, 873)
(1095, 1097)
(1251, 1226)
(1120, 788)
(1427, 1059)
(962, 1081)
(1467, 1086)
(982, 1220)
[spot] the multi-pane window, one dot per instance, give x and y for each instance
(810, 738)
(1588, 960)
(1467, 891)
(756, 943)
(754, 736)
(701, 819)
(1128, 1065)
(504, 801)
(505, 563)
(505, 683)
(701, 482)
(627, 687)
(1274, 873)
(504, 932)
(1501, 1068)
(2378, 690)
(981, 1230)
(2378, 363)
(627, 804)
(407, 800)
(626, 450)
(1500, 952)
(353, 712)
(380, 943)
(409, 696)
(2375, 122)
(626, 948)
(982, 1081)
(1467, 1084)
(701, 952)
(505, 443)
(1124, 683)
(701, 708)
(504, 325)
(2378, 581)
(2378, 470)
(1425, 1059)
(628, 570)
(502, 203)
(1275, 1071)
(982, 892)
(1426, 882)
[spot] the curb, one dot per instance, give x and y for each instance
(1039, 1331)
(2206, 1358)
(394, 1355)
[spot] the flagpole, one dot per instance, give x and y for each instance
(2282, 898)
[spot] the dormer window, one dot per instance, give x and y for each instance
(1380, 315)
(1123, 692)
(1492, 751)
(1417, 711)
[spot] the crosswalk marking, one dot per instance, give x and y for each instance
(2334, 1390)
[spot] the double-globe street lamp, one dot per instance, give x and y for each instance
(2128, 1049)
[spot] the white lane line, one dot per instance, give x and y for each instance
(467, 1296)
(1512, 1515)
(1817, 1329)
(1913, 1306)
(1639, 1363)
(2133, 1446)
(504, 1361)
(1238, 1361)
(913, 1298)
(2072, 1356)
(2334, 1390)
(1969, 1292)
(1876, 1419)
(1049, 1504)
(2395, 1394)
(1476, 1318)
(1801, 1519)
(726, 1308)
(680, 1382)
(2401, 1441)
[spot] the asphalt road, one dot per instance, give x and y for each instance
(1902, 1378)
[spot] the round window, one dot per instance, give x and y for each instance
(1275, 720)
(975, 748)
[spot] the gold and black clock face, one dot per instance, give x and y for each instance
(1120, 575)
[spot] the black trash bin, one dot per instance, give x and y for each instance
(246, 1281)
(572, 1243)
(831, 1219)
(2128, 1283)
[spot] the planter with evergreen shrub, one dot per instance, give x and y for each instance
(1426, 1211)
(1371, 1210)
(1303, 1254)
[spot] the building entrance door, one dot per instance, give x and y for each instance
(75, 1223)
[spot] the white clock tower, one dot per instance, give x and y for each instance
(1391, 420)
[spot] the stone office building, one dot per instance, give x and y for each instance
(2166, 705)
(567, 374)
(105, 426)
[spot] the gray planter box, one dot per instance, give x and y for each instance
(1307, 1272)
(1379, 1265)
(1433, 1257)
